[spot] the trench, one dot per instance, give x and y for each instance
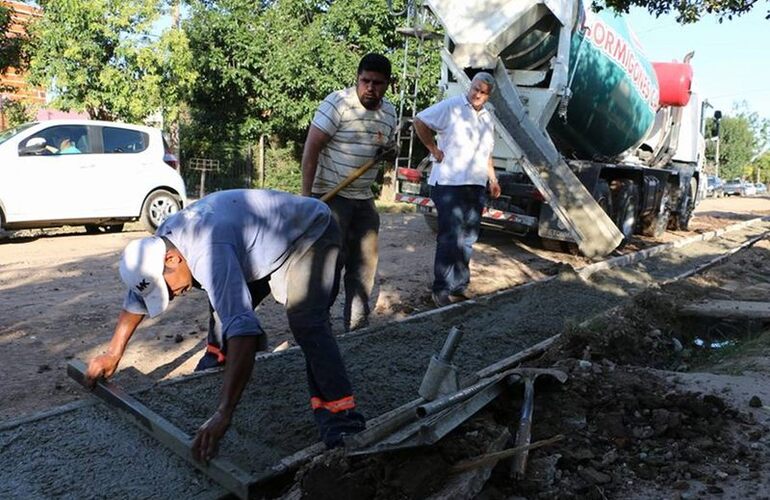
(91, 451)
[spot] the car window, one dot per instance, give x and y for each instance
(8, 133)
(120, 140)
(62, 140)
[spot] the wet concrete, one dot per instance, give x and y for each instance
(92, 452)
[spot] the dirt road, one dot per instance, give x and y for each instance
(60, 293)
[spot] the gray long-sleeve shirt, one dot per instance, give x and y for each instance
(231, 238)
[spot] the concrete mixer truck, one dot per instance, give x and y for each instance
(593, 141)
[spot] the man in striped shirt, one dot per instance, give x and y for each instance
(348, 129)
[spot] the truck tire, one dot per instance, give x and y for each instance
(680, 221)
(603, 196)
(655, 224)
(625, 203)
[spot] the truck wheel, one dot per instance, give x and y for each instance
(626, 204)
(655, 224)
(603, 196)
(680, 221)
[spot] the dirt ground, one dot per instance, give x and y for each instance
(648, 414)
(657, 405)
(61, 294)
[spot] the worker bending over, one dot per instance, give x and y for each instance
(239, 246)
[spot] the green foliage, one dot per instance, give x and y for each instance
(100, 56)
(17, 112)
(264, 68)
(737, 145)
(11, 47)
(687, 11)
(760, 168)
(282, 169)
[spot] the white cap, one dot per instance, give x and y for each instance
(141, 268)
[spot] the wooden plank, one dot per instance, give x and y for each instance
(222, 471)
(738, 309)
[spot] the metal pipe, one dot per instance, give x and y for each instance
(436, 406)
(450, 345)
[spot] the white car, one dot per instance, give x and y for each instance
(82, 172)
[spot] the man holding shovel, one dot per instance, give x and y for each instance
(350, 128)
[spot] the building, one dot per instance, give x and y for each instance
(12, 84)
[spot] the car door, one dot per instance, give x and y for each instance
(123, 161)
(49, 182)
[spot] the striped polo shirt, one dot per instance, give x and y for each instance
(356, 135)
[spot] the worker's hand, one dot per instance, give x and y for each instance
(494, 189)
(388, 152)
(438, 155)
(102, 366)
(206, 442)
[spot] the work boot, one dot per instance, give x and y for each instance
(458, 297)
(441, 299)
(335, 426)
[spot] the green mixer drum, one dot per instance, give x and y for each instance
(614, 91)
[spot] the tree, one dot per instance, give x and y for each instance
(264, 68)
(760, 168)
(10, 45)
(687, 11)
(736, 148)
(100, 56)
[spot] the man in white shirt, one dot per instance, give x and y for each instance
(462, 166)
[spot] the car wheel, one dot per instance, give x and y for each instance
(157, 208)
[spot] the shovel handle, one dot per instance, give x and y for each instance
(524, 434)
(355, 174)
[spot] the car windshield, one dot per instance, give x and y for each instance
(8, 133)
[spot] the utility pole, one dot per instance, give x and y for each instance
(717, 118)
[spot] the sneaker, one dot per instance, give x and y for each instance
(441, 299)
(208, 361)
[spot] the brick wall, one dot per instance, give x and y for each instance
(20, 90)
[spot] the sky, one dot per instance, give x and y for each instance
(732, 59)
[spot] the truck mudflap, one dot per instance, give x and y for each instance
(488, 213)
(550, 227)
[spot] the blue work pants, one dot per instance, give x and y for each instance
(459, 220)
(311, 283)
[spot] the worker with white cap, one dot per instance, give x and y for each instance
(238, 246)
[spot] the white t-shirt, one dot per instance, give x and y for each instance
(356, 135)
(466, 137)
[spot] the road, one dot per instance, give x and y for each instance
(61, 294)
